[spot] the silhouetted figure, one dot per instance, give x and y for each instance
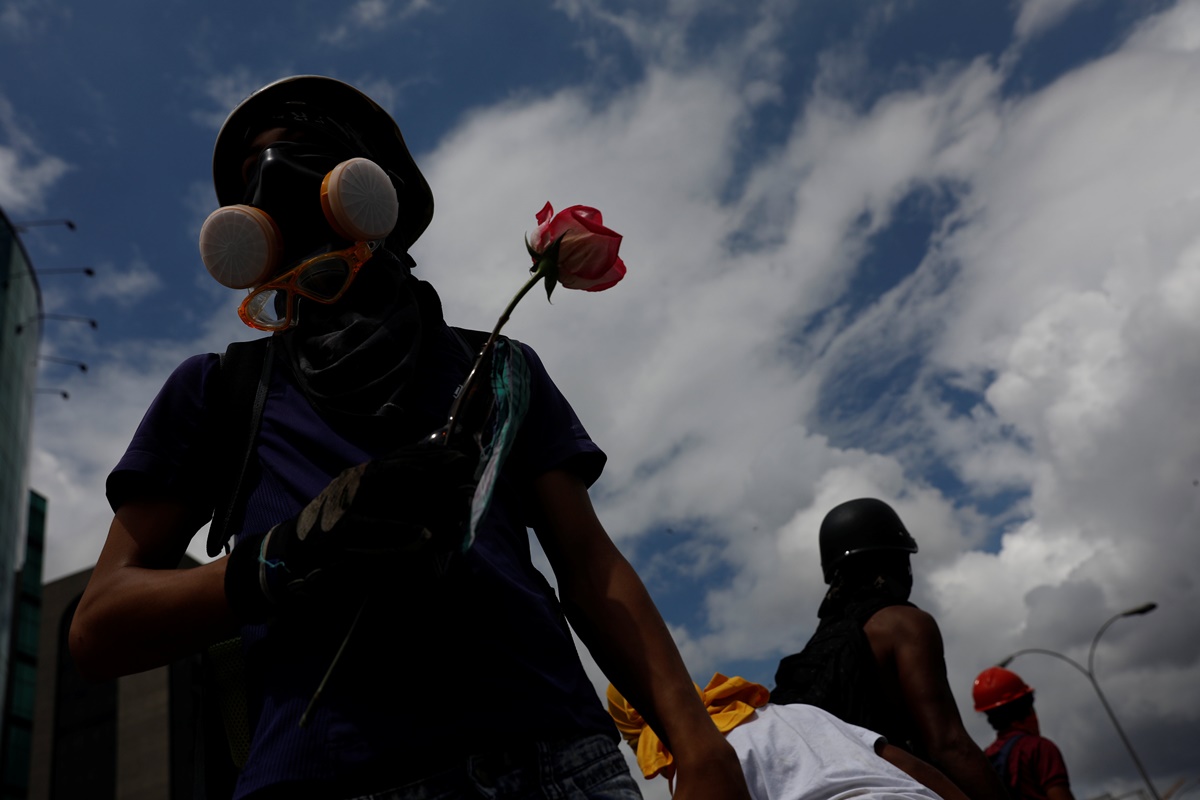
(876, 660)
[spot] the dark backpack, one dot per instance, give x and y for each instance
(836, 671)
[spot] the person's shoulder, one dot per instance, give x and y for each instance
(192, 376)
(531, 356)
(198, 364)
(476, 339)
(903, 627)
(1043, 745)
(905, 617)
(538, 374)
(1045, 754)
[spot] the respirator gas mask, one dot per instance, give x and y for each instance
(303, 206)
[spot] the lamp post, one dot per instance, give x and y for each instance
(88, 271)
(22, 226)
(69, 317)
(1088, 673)
(79, 364)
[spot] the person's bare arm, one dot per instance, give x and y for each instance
(612, 612)
(139, 611)
(909, 641)
(921, 771)
(1060, 791)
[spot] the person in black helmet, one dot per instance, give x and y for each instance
(397, 640)
(876, 660)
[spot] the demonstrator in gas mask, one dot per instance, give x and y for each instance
(461, 678)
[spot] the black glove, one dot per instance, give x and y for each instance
(359, 530)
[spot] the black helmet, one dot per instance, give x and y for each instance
(313, 98)
(861, 526)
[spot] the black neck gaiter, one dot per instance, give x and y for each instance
(844, 593)
(362, 360)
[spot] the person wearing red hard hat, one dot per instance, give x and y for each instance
(1029, 764)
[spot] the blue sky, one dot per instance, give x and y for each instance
(937, 252)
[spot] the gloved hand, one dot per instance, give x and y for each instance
(360, 528)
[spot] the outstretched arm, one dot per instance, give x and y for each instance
(909, 638)
(612, 612)
(139, 611)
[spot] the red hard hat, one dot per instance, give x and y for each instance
(997, 686)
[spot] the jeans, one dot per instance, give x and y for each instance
(590, 767)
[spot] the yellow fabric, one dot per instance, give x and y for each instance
(730, 702)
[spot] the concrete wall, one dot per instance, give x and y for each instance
(142, 724)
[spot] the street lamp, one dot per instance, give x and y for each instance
(24, 225)
(79, 364)
(1088, 673)
(69, 317)
(88, 271)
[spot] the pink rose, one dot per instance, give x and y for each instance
(587, 254)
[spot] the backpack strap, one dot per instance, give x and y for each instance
(224, 737)
(245, 380)
(479, 405)
(1000, 761)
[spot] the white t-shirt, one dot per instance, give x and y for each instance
(800, 752)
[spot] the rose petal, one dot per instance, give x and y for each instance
(587, 255)
(588, 252)
(598, 284)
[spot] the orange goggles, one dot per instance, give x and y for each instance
(324, 278)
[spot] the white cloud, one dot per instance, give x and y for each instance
(373, 16)
(1037, 16)
(125, 287)
(22, 19)
(26, 173)
(226, 90)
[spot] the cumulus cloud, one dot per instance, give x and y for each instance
(1035, 17)
(125, 287)
(26, 173)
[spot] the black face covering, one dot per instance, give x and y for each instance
(882, 576)
(376, 361)
(286, 183)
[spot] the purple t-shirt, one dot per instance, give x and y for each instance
(478, 662)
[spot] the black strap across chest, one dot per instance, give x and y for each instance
(245, 379)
